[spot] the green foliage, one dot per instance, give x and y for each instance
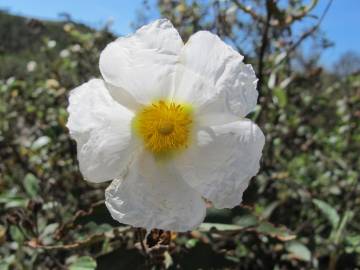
(299, 251)
(300, 212)
(329, 212)
(83, 263)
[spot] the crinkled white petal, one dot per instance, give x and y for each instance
(152, 196)
(102, 130)
(143, 64)
(222, 161)
(212, 76)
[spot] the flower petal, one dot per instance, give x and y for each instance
(102, 130)
(152, 196)
(224, 160)
(212, 73)
(143, 64)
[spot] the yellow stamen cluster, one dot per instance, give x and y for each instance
(164, 126)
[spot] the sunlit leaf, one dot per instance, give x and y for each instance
(246, 221)
(298, 251)
(11, 200)
(40, 142)
(280, 96)
(83, 263)
(31, 185)
(328, 211)
(16, 234)
(205, 227)
(49, 229)
(280, 232)
(191, 243)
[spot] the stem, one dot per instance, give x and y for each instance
(264, 45)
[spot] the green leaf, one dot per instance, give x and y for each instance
(11, 200)
(7, 262)
(31, 184)
(246, 221)
(191, 243)
(341, 229)
(353, 240)
(168, 260)
(272, 80)
(298, 251)
(205, 227)
(280, 96)
(40, 142)
(16, 234)
(280, 57)
(4, 265)
(83, 263)
(281, 232)
(269, 210)
(328, 211)
(17, 202)
(250, 222)
(49, 229)
(98, 228)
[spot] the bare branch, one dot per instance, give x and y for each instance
(249, 11)
(307, 33)
(93, 239)
(304, 12)
(264, 44)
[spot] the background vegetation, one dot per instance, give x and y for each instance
(301, 211)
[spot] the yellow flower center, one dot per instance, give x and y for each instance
(164, 126)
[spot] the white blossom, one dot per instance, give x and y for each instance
(51, 44)
(167, 124)
(31, 66)
(64, 53)
(76, 48)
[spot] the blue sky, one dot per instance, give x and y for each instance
(342, 24)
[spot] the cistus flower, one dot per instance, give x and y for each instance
(167, 125)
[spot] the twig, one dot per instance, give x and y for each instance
(289, 19)
(305, 11)
(307, 33)
(24, 164)
(70, 224)
(264, 43)
(141, 239)
(96, 238)
(249, 11)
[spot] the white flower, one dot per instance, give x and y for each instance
(64, 53)
(167, 123)
(31, 66)
(51, 44)
(75, 48)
